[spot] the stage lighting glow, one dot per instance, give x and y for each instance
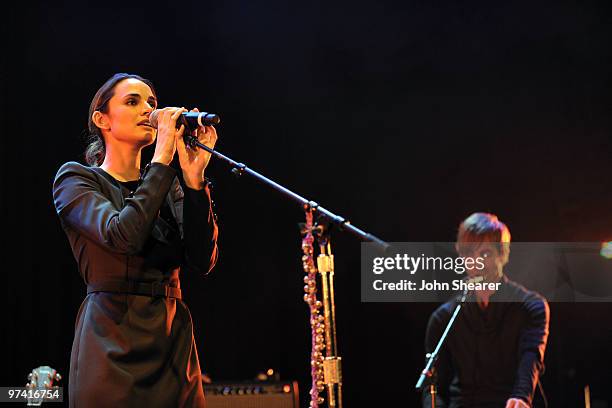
(606, 250)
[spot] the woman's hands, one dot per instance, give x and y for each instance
(516, 403)
(194, 161)
(167, 134)
(170, 140)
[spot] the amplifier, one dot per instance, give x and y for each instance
(282, 394)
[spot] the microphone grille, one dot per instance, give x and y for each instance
(153, 118)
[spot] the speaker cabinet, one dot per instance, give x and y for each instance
(283, 394)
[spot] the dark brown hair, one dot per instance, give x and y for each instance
(96, 148)
(484, 227)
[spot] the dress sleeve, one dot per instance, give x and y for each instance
(200, 230)
(81, 206)
(532, 344)
(444, 371)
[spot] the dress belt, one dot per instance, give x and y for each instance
(152, 289)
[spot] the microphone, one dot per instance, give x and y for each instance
(466, 282)
(475, 279)
(191, 120)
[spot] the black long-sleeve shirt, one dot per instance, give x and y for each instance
(491, 354)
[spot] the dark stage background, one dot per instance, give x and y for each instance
(403, 116)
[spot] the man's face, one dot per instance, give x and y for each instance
(491, 262)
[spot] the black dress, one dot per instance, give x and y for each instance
(133, 343)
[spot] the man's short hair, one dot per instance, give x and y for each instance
(484, 227)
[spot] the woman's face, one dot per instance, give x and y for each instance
(127, 117)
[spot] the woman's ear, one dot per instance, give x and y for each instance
(100, 120)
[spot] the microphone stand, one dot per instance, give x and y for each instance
(429, 374)
(240, 168)
(325, 369)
